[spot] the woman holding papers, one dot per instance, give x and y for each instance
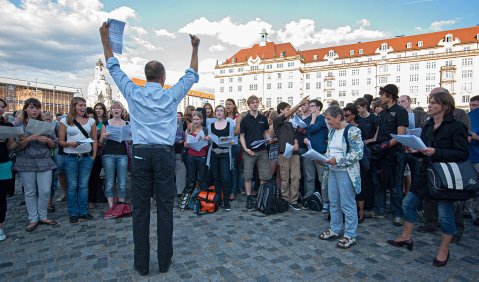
(6, 177)
(115, 156)
(446, 141)
(79, 149)
(343, 177)
(232, 113)
(35, 165)
(197, 150)
(220, 160)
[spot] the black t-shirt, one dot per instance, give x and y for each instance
(284, 131)
(368, 126)
(389, 120)
(220, 133)
(3, 145)
(253, 129)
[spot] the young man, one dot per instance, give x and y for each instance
(254, 127)
(392, 120)
(289, 167)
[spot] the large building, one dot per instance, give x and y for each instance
(54, 98)
(192, 98)
(99, 90)
(416, 64)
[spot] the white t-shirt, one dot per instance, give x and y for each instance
(337, 148)
(74, 134)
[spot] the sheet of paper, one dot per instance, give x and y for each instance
(258, 143)
(411, 121)
(126, 133)
(88, 140)
(288, 151)
(8, 131)
(39, 127)
(190, 139)
(11, 119)
(199, 145)
(411, 141)
(299, 122)
(414, 131)
(116, 35)
(115, 133)
(312, 154)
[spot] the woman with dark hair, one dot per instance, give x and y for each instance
(231, 111)
(77, 128)
(35, 165)
(209, 110)
(446, 141)
(101, 112)
(6, 177)
(95, 183)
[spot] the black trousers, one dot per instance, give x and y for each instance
(4, 184)
(152, 173)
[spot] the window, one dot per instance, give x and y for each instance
(467, 74)
(414, 66)
(430, 65)
(370, 59)
(414, 77)
(253, 87)
(315, 57)
(431, 52)
(290, 85)
(291, 64)
(222, 102)
(240, 69)
(341, 103)
(268, 67)
(279, 100)
(279, 85)
(240, 79)
(268, 76)
(420, 44)
(222, 80)
(222, 89)
(368, 81)
(467, 61)
(231, 70)
(409, 45)
(282, 54)
(355, 82)
(414, 101)
(342, 82)
(356, 60)
(342, 73)
(351, 53)
(268, 102)
(290, 100)
(413, 89)
(383, 80)
(467, 86)
(240, 88)
(361, 51)
(369, 70)
(448, 75)
(449, 38)
(222, 71)
(290, 74)
(383, 68)
(429, 88)
(329, 84)
(355, 71)
(431, 76)
(448, 50)
(465, 98)
(342, 93)
(398, 56)
(398, 67)
(398, 79)
(318, 85)
(255, 77)
(307, 76)
(355, 92)
(328, 94)
(384, 47)
(414, 54)
(254, 68)
(279, 75)
(330, 74)
(331, 53)
(318, 75)
(279, 66)
(268, 86)
(230, 89)
(230, 79)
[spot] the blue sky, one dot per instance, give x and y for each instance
(57, 41)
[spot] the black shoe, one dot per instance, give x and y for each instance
(227, 207)
(141, 272)
(295, 207)
(249, 202)
(425, 229)
(440, 263)
(407, 243)
(73, 219)
(164, 270)
(87, 216)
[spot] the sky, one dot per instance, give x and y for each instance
(58, 42)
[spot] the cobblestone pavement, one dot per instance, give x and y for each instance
(225, 246)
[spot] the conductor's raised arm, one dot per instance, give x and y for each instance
(195, 42)
(105, 41)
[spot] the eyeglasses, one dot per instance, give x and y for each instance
(348, 115)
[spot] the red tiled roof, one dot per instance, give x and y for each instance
(269, 51)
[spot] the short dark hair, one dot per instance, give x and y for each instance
(318, 103)
(352, 109)
(34, 102)
(90, 110)
(363, 102)
(282, 106)
(474, 98)
(444, 99)
(251, 99)
(368, 97)
(334, 103)
(154, 71)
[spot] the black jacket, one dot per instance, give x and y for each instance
(450, 143)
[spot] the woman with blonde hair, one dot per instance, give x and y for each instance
(80, 149)
(196, 160)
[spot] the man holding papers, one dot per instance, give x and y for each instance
(289, 162)
(153, 121)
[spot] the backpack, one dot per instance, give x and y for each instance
(119, 209)
(185, 199)
(365, 161)
(314, 202)
(207, 201)
(269, 199)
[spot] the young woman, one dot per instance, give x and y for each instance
(220, 157)
(76, 128)
(35, 165)
(95, 183)
(6, 177)
(188, 117)
(180, 168)
(196, 160)
(209, 110)
(232, 113)
(115, 156)
(273, 148)
(100, 110)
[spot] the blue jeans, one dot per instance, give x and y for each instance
(445, 210)
(196, 171)
(342, 200)
(115, 164)
(77, 171)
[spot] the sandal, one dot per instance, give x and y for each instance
(328, 235)
(31, 226)
(346, 242)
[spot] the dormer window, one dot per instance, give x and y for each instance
(420, 44)
(331, 53)
(449, 38)
(351, 53)
(315, 57)
(361, 51)
(233, 60)
(477, 36)
(409, 45)
(384, 47)
(282, 54)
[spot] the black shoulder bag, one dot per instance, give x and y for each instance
(75, 122)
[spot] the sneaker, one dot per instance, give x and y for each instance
(2, 235)
(73, 219)
(372, 214)
(87, 216)
(304, 207)
(249, 202)
(325, 208)
(398, 221)
(63, 198)
(227, 207)
(295, 207)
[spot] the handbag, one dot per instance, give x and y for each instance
(452, 181)
(119, 209)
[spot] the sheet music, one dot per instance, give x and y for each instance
(312, 154)
(288, 151)
(411, 141)
(258, 143)
(8, 131)
(39, 127)
(116, 35)
(196, 143)
(88, 140)
(298, 122)
(414, 131)
(119, 133)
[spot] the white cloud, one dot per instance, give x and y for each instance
(438, 25)
(364, 22)
(216, 48)
(164, 33)
(304, 31)
(136, 29)
(418, 28)
(241, 35)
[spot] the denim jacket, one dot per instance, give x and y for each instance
(349, 160)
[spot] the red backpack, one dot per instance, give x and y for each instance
(119, 209)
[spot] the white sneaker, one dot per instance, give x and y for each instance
(2, 235)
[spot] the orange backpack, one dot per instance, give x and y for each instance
(208, 201)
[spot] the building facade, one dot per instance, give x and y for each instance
(54, 98)
(416, 64)
(192, 98)
(99, 90)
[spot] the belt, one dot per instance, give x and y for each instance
(82, 155)
(220, 151)
(152, 146)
